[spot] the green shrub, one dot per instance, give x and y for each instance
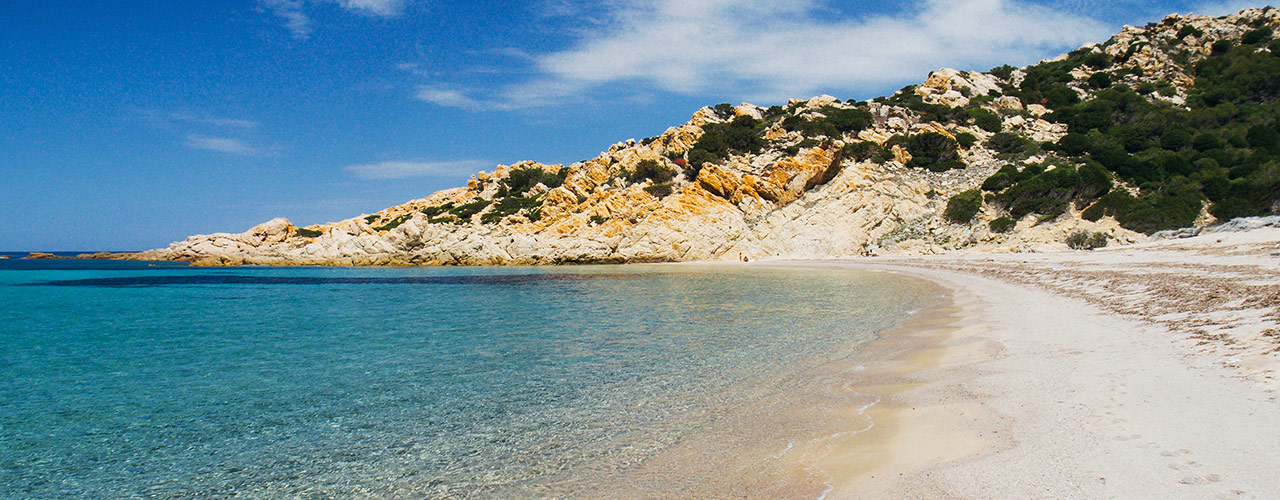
(774, 113)
(1263, 136)
(308, 233)
(1046, 192)
(966, 140)
(1003, 178)
(1222, 146)
(931, 150)
(1257, 36)
(1221, 47)
(1003, 225)
(521, 180)
(658, 190)
(834, 122)
(435, 211)
(986, 120)
(1056, 96)
(1190, 30)
(1002, 72)
(1082, 240)
(940, 113)
(393, 223)
(464, 212)
(963, 206)
(651, 170)
(1175, 139)
(862, 150)
(1206, 141)
(597, 220)
(1011, 144)
(723, 110)
(1097, 60)
(743, 135)
(1100, 80)
(1093, 213)
(511, 205)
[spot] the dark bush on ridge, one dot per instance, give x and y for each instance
(862, 150)
(743, 135)
(1003, 72)
(1257, 36)
(521, 180)
(930, 150)
(1011, 144)
(986, 120)
(512, 205)
(464, 212)
(651, 170)
(834, 123)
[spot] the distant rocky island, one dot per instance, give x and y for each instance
(1161, 127)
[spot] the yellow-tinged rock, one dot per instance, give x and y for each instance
(719, 181)
(775, 132)
(900, 154)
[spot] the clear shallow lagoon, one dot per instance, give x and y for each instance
(125, 379)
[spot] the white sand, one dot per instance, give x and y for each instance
(1138, 372)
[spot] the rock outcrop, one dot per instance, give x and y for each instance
(803, 193)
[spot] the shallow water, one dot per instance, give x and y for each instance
(127, 379)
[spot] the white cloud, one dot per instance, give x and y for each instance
(219, 121)
(383, 8)
(1223, 8)
(296, 20)
(455, 98)
(228, 145)
(216, 121)
(163, 118)
(290, 11)
(406, 169)
(777, 49)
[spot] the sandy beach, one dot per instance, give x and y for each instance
(1145, 371)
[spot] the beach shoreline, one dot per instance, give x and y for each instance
(1024, 389)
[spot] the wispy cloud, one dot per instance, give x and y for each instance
(290, 11)
(296, 20)
(229, 145)
(1221, 8)
(165, 118)
(382, 8)
(407, 169)
(775, 49)
(219, 121)
(211, 120)
(457, 98)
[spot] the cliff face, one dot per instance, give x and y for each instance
(817, 178)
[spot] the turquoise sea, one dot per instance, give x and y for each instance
(158, 380)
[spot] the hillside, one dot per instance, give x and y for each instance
(1161, 127)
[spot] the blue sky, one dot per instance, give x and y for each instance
(127, 125)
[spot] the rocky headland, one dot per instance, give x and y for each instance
(1099, 146)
